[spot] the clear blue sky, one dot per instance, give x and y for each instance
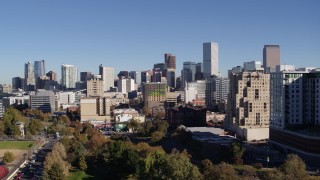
(134, 34)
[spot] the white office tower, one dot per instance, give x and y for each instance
(69, 76)
(210, 59)
(107, 74)
(195, 90)
(126, 85)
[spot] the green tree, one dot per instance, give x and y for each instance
(156, 136)
(8, 157)
(221, 171)
(10, 117)
(82, 163)
(236, 151)
(178, 166)
(56, 172)
(133, 125)
(294, 168)
(34, 126)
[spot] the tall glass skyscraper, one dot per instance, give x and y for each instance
(29, 75)
(210, 59)
(69, 76)
(39, 68)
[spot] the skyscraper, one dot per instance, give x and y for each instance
(249, 103)
(271, 57)
(107, 74)
(84, 76)
(29, 76)
(39, 68)
(188, 72)
(69, 76)
(210, 59)
(170, 61)
(136, 75)
(52, 75)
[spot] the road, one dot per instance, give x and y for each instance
(34, 167)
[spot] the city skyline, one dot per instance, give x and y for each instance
(88, 34)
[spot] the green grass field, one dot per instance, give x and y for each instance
(76, 174)
(23, 145)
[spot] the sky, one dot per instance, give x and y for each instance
(134, 35)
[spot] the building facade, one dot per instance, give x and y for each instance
(217, 90)
(95, 87)
(39, 68)
(154, 94)
(170, 61)
(271, 57)
(29, 78)
(69, 76)
(210, 59)
(249, 104)
(107, 74)
(43, 100)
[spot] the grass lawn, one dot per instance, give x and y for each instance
(76, 174)
(23, 145)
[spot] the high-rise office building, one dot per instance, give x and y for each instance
(249, 104)
(188, 72)
(52, 75)
(107, 74)
(39, 69)
(136, 75)
(95, 86)
(29, 76)
(199, 72)
(1, 109)
(170, 61)
(17, 83)
(146, 76)
(125, 85)
(84, 76)
(217, 90)
(271, 57)
(195, 91)
(171, 78)
(123, 74)
(154, 94)
(210, 59)
(69, 76)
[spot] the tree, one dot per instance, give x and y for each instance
(82, 163)
(56, 172)
(8, 157)
(236, 151)
(294, 168)
(10, 117)
(133, 125)
(220, 171)
(178, 166)
(34, 126)
(57, 156)
(156, 136)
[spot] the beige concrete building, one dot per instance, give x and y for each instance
(249, 104)
(95, 109)
(95, 87)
